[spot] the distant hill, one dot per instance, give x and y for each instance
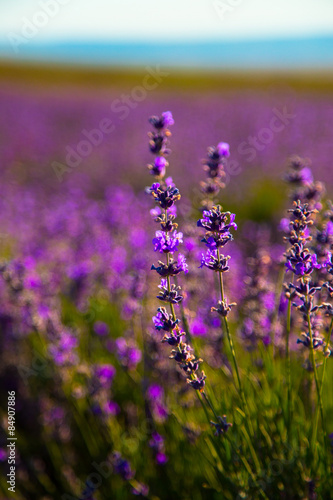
(306, 53)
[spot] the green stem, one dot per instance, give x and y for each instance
(240, 455)
(233, 354)
(327, 341)
(288, 370)
(210, 405)
(169, 288)
(319, 398)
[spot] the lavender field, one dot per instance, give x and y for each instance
(166, 299)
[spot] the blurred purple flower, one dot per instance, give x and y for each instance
(101, 328)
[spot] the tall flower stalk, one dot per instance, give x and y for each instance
(298, 228)
(218, 225)
(302, 263)
(166, 242)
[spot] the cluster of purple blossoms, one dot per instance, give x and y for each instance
(221, 426)
(299, 259)
(157, 445)
(217, 225)
(304, 188)
(105, 374)
(88, 491)
(305, 264)
(121, 466)
(214, 168)
(155, 396)
(258, 302)
(128, 353)
(173, 268)
(158, 143)
(166, 242)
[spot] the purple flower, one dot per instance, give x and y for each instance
(268, 300)
(181, 263)
(284, 225)
(156, 211)
(198, 383)
(306, 341)
(122, 466)
(63, 352)
(167, 243)
(173, 268)
(111, 408)
(198, 328)
(171, 295)
(222, 426)
(160, 162)
(169, 182)
(168, 118)
(216, 221)
(157, 444)
(211, 260)
(105, 374)
(165, 196)
(101, 328)
(223, 149)
(161, 458)
(159, 166)
(300, 261)
(329, 228)
(164, 321)
(305, 176)
(155, 392)
(129, 355)
(162, 122)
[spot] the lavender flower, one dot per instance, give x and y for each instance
(165, 196)
(157, 445)
(159, 166)
(214, 167)
(317, 341)
(161, 123)
(105, 374)
(101, 328)
(122, 466)
(217, 225)
(166, 242)
(215, 262)
(173, 269)
(164, 321)
(222, 426)
(128, 353)
(169, 293)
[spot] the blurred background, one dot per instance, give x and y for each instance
(78, 81)
(228, 70)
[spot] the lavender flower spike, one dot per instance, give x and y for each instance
(166, 242)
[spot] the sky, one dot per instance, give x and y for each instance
(165, 21)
